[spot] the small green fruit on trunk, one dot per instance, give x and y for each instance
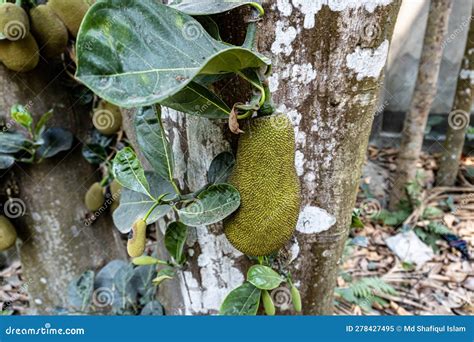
(14, 22)
(7, 233)
(21, 55)
(94, 197)
(137, 239)
(268, 305)
(49, 31)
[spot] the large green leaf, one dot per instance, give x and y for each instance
(6, 161)
(12, 142)
(55, 140)
(129, 172)
(145, 52)
(153, 142)
(135, 205)
(175, 238)
(264, 277)
(244, 300)
(208, 7)
(197, 100)
(211, 205)
(221, 167)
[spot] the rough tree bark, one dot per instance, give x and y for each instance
(328, 62)
(56, 245)
(458, 119)
(423, 96)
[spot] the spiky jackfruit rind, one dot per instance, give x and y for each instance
(95, 197)
(7, 233)
(137, 239)
(14, 22)
(49, 31)
(21, 55)
(71, 13)
(107, 118)
(266, 178)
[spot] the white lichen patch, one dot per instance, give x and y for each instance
(217, 272)
(309, 9)
(285, 8)
(299, 162)
(314, 220)
(368, 62)
(369, 5)
(294, 251)
(284, 37)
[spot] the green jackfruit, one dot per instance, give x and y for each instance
(107, 118)
(7, 233)
(14, 23)
(71, 12)
(115, 190)
(137, 239)
(94, 197)
(296, 298)
(268, 305)
(269, 188)
(21, 55)
(49, 31)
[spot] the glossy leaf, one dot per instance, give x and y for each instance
(152, 140)
(145, 52)
(221, 168)
(80, 290)
(244, 300)
(196, 99)
(55, 140)
(21, 116)
(175, 238)
(12, 142)
(135, 205)
(211, 205)
(6, 161)
(264, 277)
(129, 172)
(209, 7)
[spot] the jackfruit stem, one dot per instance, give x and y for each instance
(157, 203)
(256, 85)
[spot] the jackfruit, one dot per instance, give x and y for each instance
(48, 30)
(21, 55)
(265, 176)
(296, 298)
(115, 190)
(107, 118)
(71, 13)
(7, 233)
(268, 305)
(94, 197)
(137, 239)
(14, 23)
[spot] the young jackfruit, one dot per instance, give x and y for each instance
(268, 305)
(269, 188)
(49, 31)
(115, 190)
(137, 239)
(296, 298)
(94, 197)
(7, 233)
(14, 23)
(21, 55)
(71, 12)
(107, 118)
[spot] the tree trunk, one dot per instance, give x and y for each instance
(458, 119)
(424, 94)
(57, 245)
(328, 62)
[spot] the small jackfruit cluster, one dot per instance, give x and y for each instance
(49, 24)
(269, 188)
(137, 239)
(115, 190)
(95, 197)
(107, 118)
(7, 233)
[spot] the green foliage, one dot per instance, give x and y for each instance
(33, 142)
(364, 292)
(394, 218)
(356, 222)
(432, 233)
(431, 213)
(263, 277)
(175, 238)
(221, 168)
(242, 301)
(129, 172)
(197, 8)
